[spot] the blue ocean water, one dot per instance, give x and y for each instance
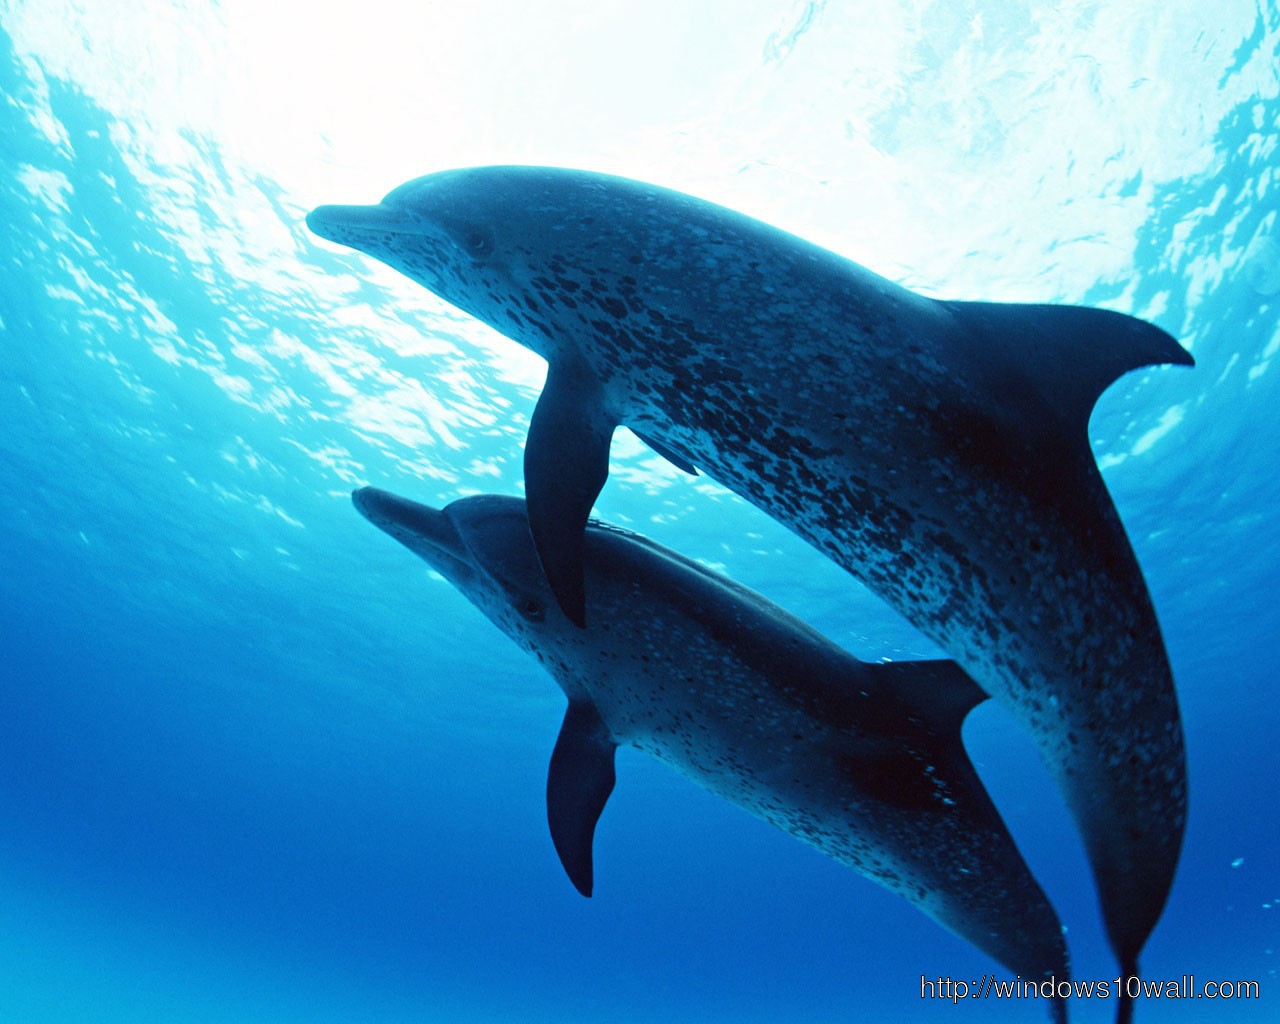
(257, 764)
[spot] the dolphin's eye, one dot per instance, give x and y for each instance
(531, 609)
(477, 241)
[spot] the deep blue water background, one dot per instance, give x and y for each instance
(256, 764)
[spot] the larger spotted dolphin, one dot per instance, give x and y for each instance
(863, 761)
(936, 449)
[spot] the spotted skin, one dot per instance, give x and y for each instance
(937, 450)
(862, 761)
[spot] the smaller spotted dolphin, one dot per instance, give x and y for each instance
(936, 449)
(863, 761)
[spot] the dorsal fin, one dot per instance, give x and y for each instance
(1068, 354)
(578, 785)
(919, 703)
(938, 693)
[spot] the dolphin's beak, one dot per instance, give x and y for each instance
(426, 531)
(343, 223)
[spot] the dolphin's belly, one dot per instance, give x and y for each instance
(785, 769)
(1055, 623)
(803, 777)
(1016, 588)
(665, 687)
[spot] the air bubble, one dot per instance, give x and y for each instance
(1262, 265)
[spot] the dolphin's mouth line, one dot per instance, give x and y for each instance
(427, 531)
(330, 221)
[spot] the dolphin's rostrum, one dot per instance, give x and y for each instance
(936, 449)
(863, 761)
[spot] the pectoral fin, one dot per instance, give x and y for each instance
(578, 784)
(667, 452)
(566, 462)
